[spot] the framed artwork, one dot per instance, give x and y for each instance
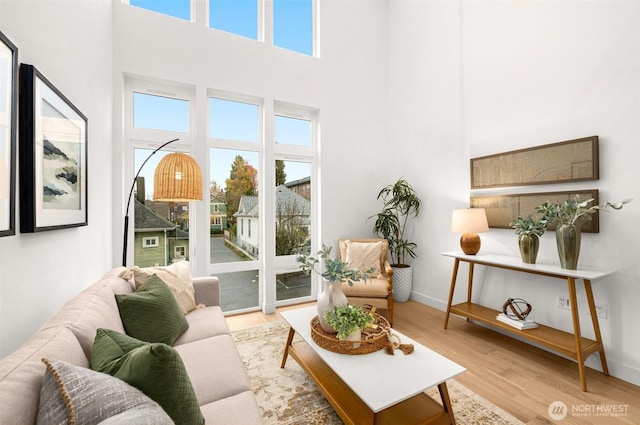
(8, 113)
(502, 209)
(53, 156)
(570, 161)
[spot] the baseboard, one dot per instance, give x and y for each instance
(621, 371)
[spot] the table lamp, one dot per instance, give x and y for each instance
(177, 178)
(469, 222)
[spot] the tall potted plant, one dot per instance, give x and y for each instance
(400, 203)
(568, 235)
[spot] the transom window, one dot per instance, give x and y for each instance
(291, 25)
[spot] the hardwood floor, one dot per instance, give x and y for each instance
(518, 377)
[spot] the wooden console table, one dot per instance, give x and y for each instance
(571, 345)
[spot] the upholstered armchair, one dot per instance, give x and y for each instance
(378, 289)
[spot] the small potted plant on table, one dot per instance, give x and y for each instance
(336, 272)
(349, 321)
(529, 231)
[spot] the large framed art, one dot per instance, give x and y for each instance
(8, 109)
(53, 156)
(563, 162)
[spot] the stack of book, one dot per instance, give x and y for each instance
(520, 324)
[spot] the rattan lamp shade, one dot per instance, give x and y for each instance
(177, 178)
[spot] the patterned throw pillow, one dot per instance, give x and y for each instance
(363, 255)
(76, 395)
(177, 276)
(155, 369)
(152, 313)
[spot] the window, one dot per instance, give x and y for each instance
(150, 242)
(180, 251)
(235, 16)
(176, 8)
(293, 25)
(156, 114)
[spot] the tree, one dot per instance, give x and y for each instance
(242, 181)
(281, 175)
(292, 236)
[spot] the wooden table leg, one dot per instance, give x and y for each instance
(454, 277)
(292, 332)
(446, 402)
(576, 331)
(596, 325)
(470, 285)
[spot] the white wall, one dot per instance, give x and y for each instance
(513, 74)
(70, 43)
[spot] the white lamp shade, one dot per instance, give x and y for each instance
(469, 220)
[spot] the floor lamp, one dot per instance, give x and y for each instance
(177, 178)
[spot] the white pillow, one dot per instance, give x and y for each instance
(177, 276)
(364, 255)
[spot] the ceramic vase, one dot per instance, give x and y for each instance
(528, 245)
(329, 297)
(568, 240)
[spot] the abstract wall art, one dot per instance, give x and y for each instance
(53, 152)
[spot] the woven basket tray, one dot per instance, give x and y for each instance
(374, 338)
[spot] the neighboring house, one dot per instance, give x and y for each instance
(217, 214)
(290, 206)
(302, 187)
(247, 224)
(157, 241)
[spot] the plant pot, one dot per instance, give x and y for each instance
(355, 336)
(528, 245)
(568, 240)
(402, 282)
(329, 297)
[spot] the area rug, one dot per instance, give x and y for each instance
(289, 396)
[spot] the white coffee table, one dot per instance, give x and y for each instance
(374, 388)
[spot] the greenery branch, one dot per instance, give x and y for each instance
(569, 211)
(335, 269)
(529, 226)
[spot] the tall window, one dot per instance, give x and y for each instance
(160, 233)
(234, 175)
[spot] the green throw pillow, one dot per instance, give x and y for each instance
(73, 395)
(152, 313)
(155, 369)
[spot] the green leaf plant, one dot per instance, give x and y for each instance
(347, 319)
(569, 211)
(335, 269)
